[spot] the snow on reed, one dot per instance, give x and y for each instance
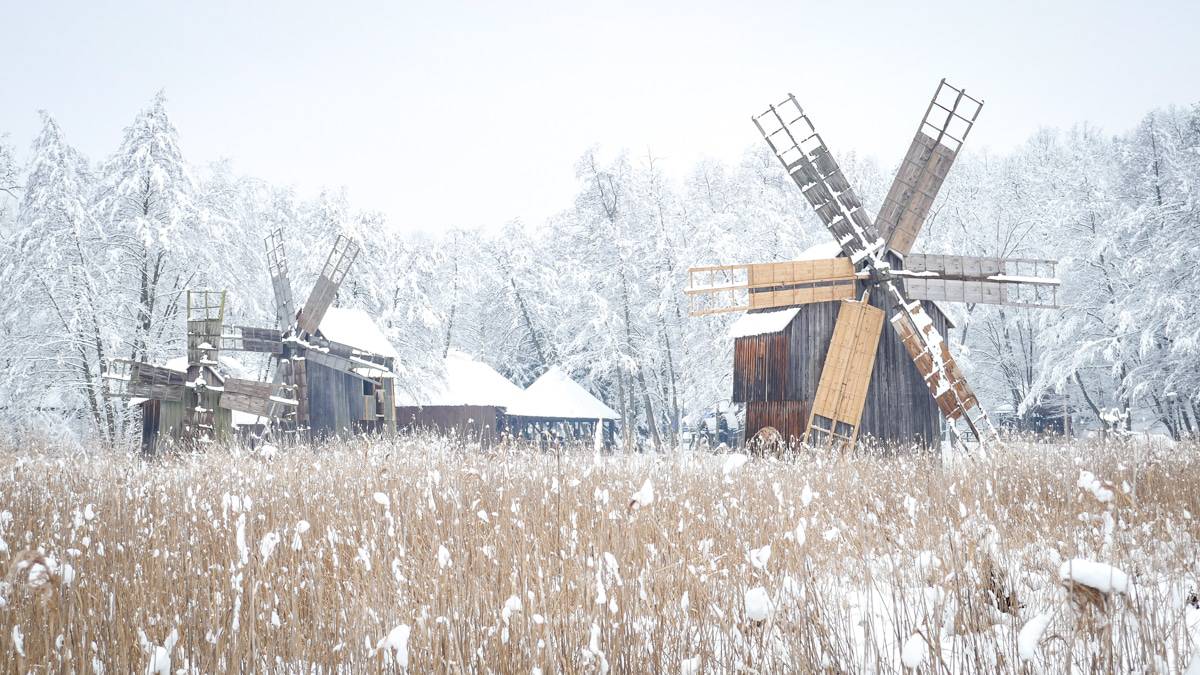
(429, 556)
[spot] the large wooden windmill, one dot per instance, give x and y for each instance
(341, 380)
(837, 306)
(194, 406)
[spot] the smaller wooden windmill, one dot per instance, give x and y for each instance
(194, 406)
(843, 301)
(336, 385)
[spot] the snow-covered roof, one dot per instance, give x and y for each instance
(761, 323)
(829, 249)
(467, 382)
(555, 394)
(355, 328)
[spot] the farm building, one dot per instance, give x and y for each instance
(556, 408)
(778, 359)
(469, 402)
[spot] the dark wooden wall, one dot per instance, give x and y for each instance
(335, 401)
(551, 430)
(776, 376)
(472, 422)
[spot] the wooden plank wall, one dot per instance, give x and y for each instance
(760, 367)
(335, 401)
(473, 422)
(899, 409)
(788, 417)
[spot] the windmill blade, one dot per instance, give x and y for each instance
(336, 266)
(943, 129)
(929, 351)
(252, 339)
(718, 289)
(842, 390)
(205, 315)
(254, 397)
(794, 140)
(142, 380)
(1018, 282)
(285, 307)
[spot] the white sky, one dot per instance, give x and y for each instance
(447, 113)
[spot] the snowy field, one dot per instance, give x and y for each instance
(424, 556)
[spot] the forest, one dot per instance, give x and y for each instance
(98, 251)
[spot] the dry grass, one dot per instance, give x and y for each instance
(867, 555)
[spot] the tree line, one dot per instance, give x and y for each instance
(98, 253)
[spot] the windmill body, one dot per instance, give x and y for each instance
(861, 351)
(335, 363)
(333, 368)
(192, 402)
(777, 366)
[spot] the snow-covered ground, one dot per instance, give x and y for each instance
(422, 556)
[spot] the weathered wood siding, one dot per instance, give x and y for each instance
(335, 401)
(164, 419)
(471, 422)
(784, 369)
(760, 366)
(788, 417)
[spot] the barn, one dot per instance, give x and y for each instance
(469, 402)
(556, 408)
(779, 354)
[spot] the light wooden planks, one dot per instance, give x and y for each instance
(842, 390)
(768, 285)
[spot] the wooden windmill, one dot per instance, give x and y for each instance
(875, 276)
(194, 406)
(336, 385)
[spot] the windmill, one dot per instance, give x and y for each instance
(336, 385)
(875, 274)
(194, 406)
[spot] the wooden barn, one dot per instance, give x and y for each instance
(556, 409)
(469, 402)
(778, 360)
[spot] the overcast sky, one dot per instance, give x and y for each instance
(444, 113)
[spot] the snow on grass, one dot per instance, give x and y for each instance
(395, 646)
(757, 604)
(1031, 636)
(1100, 576)
(912, 655)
